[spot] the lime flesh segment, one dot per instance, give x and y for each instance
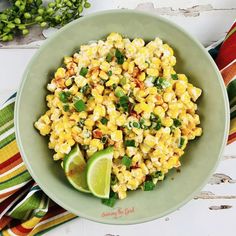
(99, 173)
(75, 169)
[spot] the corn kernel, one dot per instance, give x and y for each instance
(95, 143)
(145, 107)
(150, 141)
(182, 77)
(153, 72)
(114, 37)
(58, 156)
(152, 90)
(91, 151)
(80, 81)
(116, 70)
(89, 122)
(144, 169)
(159, 111)
(125, 66)
(95, 63)
(67, 59)
(168, 96)
(117, 136)
(68, 82)
(74, 89)
(142, 76)
(198, 131)
(99, 110)
(136, 158)
(103, 75)
(180, 87)
(195, 93)
(120, 121)
(131, 67)
(83, 115)
(132, 184)
(122, 194)
(167, 121)
(60, 73)
(105, 66)
(131, 151)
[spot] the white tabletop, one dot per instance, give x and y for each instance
(207, 20)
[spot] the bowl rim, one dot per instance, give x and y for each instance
(52, 195)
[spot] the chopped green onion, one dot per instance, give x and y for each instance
(172, 128)
(142, 125)
(181, 142)
(130, 125)
(83, 71)
(119, 92)
(149, 81)
(123, 81)
(177, 122)
(156, 121)
(104, 139)
(84, 89)
(153, 117)
(114, 86)
(158, 125)
(114, 179)
(161, 83)
(109, 57)
(141, 122)
(174, 76)
(109, 73)
(85, 147)
(80, 105)
(111, 200)
(124, 102)
(157, 174)
(104, 120)
(130, 143)
(136, 125)
(81, 123)
(117, 105)
(148, 186)
(66, 107)
(63, 96)
(126, 161)
(119, 56)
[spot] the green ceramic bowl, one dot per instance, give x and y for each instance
(201, 157)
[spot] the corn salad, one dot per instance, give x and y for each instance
(123, 93)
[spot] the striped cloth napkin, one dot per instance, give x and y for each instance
(24, 208)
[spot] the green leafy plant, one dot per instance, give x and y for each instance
(22, 14)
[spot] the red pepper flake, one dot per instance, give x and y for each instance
(135, 166)
(136, 72)
(135, 114)
(110, 142)
(97, 133)
(116, 145)
(139, 83)
(95, 69)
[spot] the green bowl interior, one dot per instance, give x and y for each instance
(201, 155)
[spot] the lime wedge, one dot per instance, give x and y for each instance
(99, 173)
(74, 167)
